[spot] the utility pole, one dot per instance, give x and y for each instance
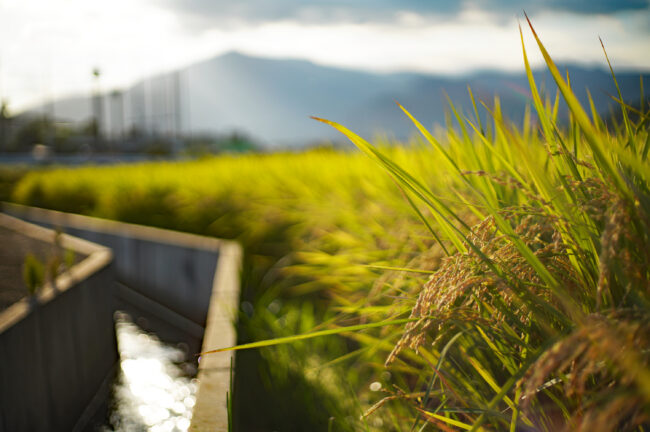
(188, 103)
(177, 106)
(117, 123)
(148, 108)
(48, 109)
(97, 109)
(4, 124)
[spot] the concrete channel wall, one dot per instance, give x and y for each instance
(183, 287)
(173, 269)
(58, 350)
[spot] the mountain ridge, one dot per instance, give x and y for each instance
(271, 99)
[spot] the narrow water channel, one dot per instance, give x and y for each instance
(155, 389)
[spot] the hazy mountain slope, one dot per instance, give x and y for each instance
(272, 99)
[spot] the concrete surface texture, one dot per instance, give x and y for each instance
(185, 287)
(58, 349)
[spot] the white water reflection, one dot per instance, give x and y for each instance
(152, 393)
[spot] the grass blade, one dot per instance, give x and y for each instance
(295, 338)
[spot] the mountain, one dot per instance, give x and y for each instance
(271, 99)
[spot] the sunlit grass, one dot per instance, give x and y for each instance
(539, 318)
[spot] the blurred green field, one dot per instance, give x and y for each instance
(519, 254)
(310, 224)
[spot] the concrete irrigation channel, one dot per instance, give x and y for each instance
(58, 350)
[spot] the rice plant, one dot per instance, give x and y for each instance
(538, 317)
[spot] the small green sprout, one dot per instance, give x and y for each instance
(33, 272)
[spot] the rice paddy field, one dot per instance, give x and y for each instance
(490, 276)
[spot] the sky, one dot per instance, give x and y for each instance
(48, 48)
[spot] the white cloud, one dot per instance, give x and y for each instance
(51, 46)
(473, 40)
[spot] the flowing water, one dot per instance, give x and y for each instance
(155, 389)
